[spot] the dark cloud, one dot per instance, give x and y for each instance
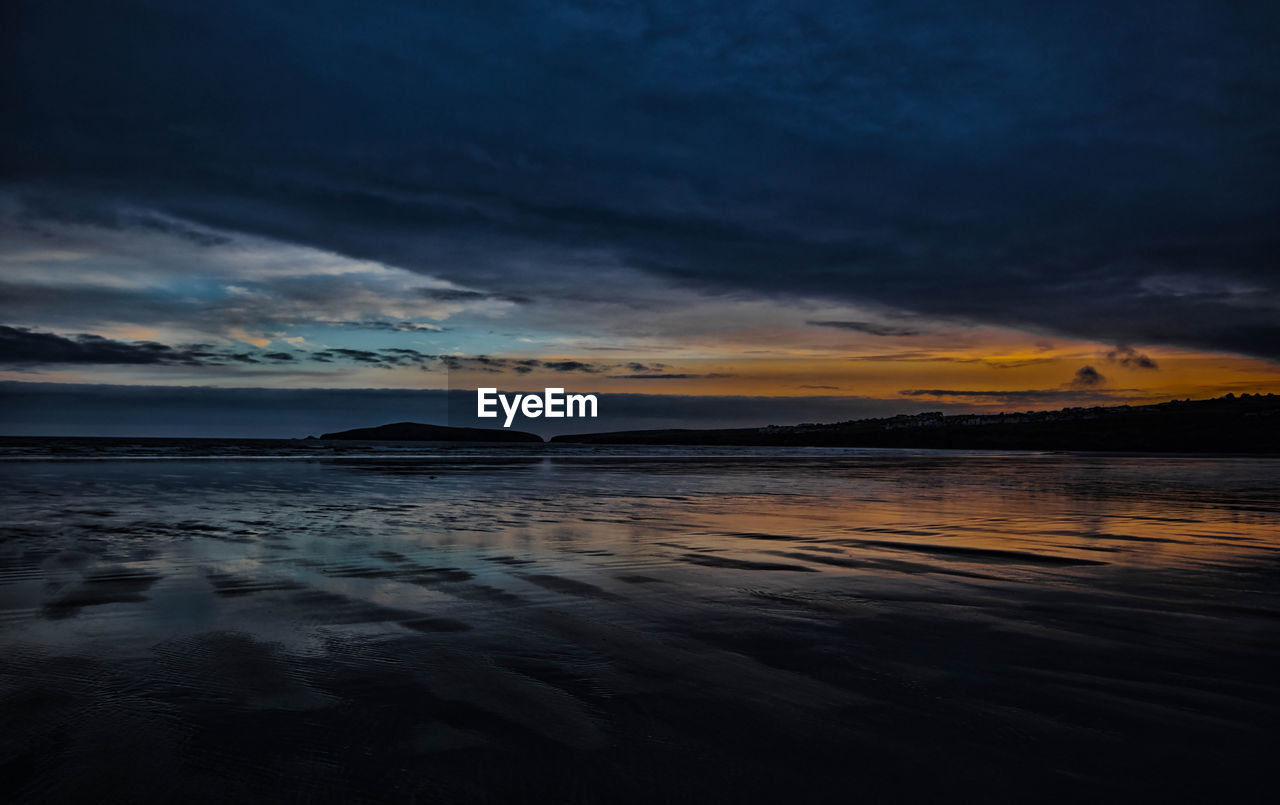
(1083, 386)
(21, 347)
(1012, 396)
(1087, 377)
(1092, 168)
(380, 358)
(395, 326)
(868, 327)
(482, 363)
(909, 356)
(668, 376)
(165, 297)
(76, 211)
(1130, 358)
(358, 355)
(922, 356)
(462, 295)
(524, 367)
(392, 357)
(570, 366)
(486, 363)
(1014, 364)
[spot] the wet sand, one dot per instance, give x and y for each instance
(520, 628)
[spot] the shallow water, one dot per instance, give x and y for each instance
(557, 626)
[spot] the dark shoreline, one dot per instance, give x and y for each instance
(1247, 425)
(151, 448)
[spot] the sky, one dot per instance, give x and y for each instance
(710, 213)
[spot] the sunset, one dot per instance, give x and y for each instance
(908, 201)
(597, 402)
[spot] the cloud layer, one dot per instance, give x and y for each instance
(1099, 170)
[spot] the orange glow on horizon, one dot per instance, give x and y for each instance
(887, 375)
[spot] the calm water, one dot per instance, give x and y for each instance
(565, 627)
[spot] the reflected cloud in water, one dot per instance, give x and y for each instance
(640, 627)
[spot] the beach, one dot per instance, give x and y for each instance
(221, 622)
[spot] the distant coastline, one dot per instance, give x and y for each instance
(1245, 424)
(417, 432)
(1249, 423)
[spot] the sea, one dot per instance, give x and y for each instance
(312, 621)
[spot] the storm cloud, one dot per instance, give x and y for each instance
(22, 346)
(1130, 358)
(19, 345)
(1100, 170)
(1086, 377)
(868, 327)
